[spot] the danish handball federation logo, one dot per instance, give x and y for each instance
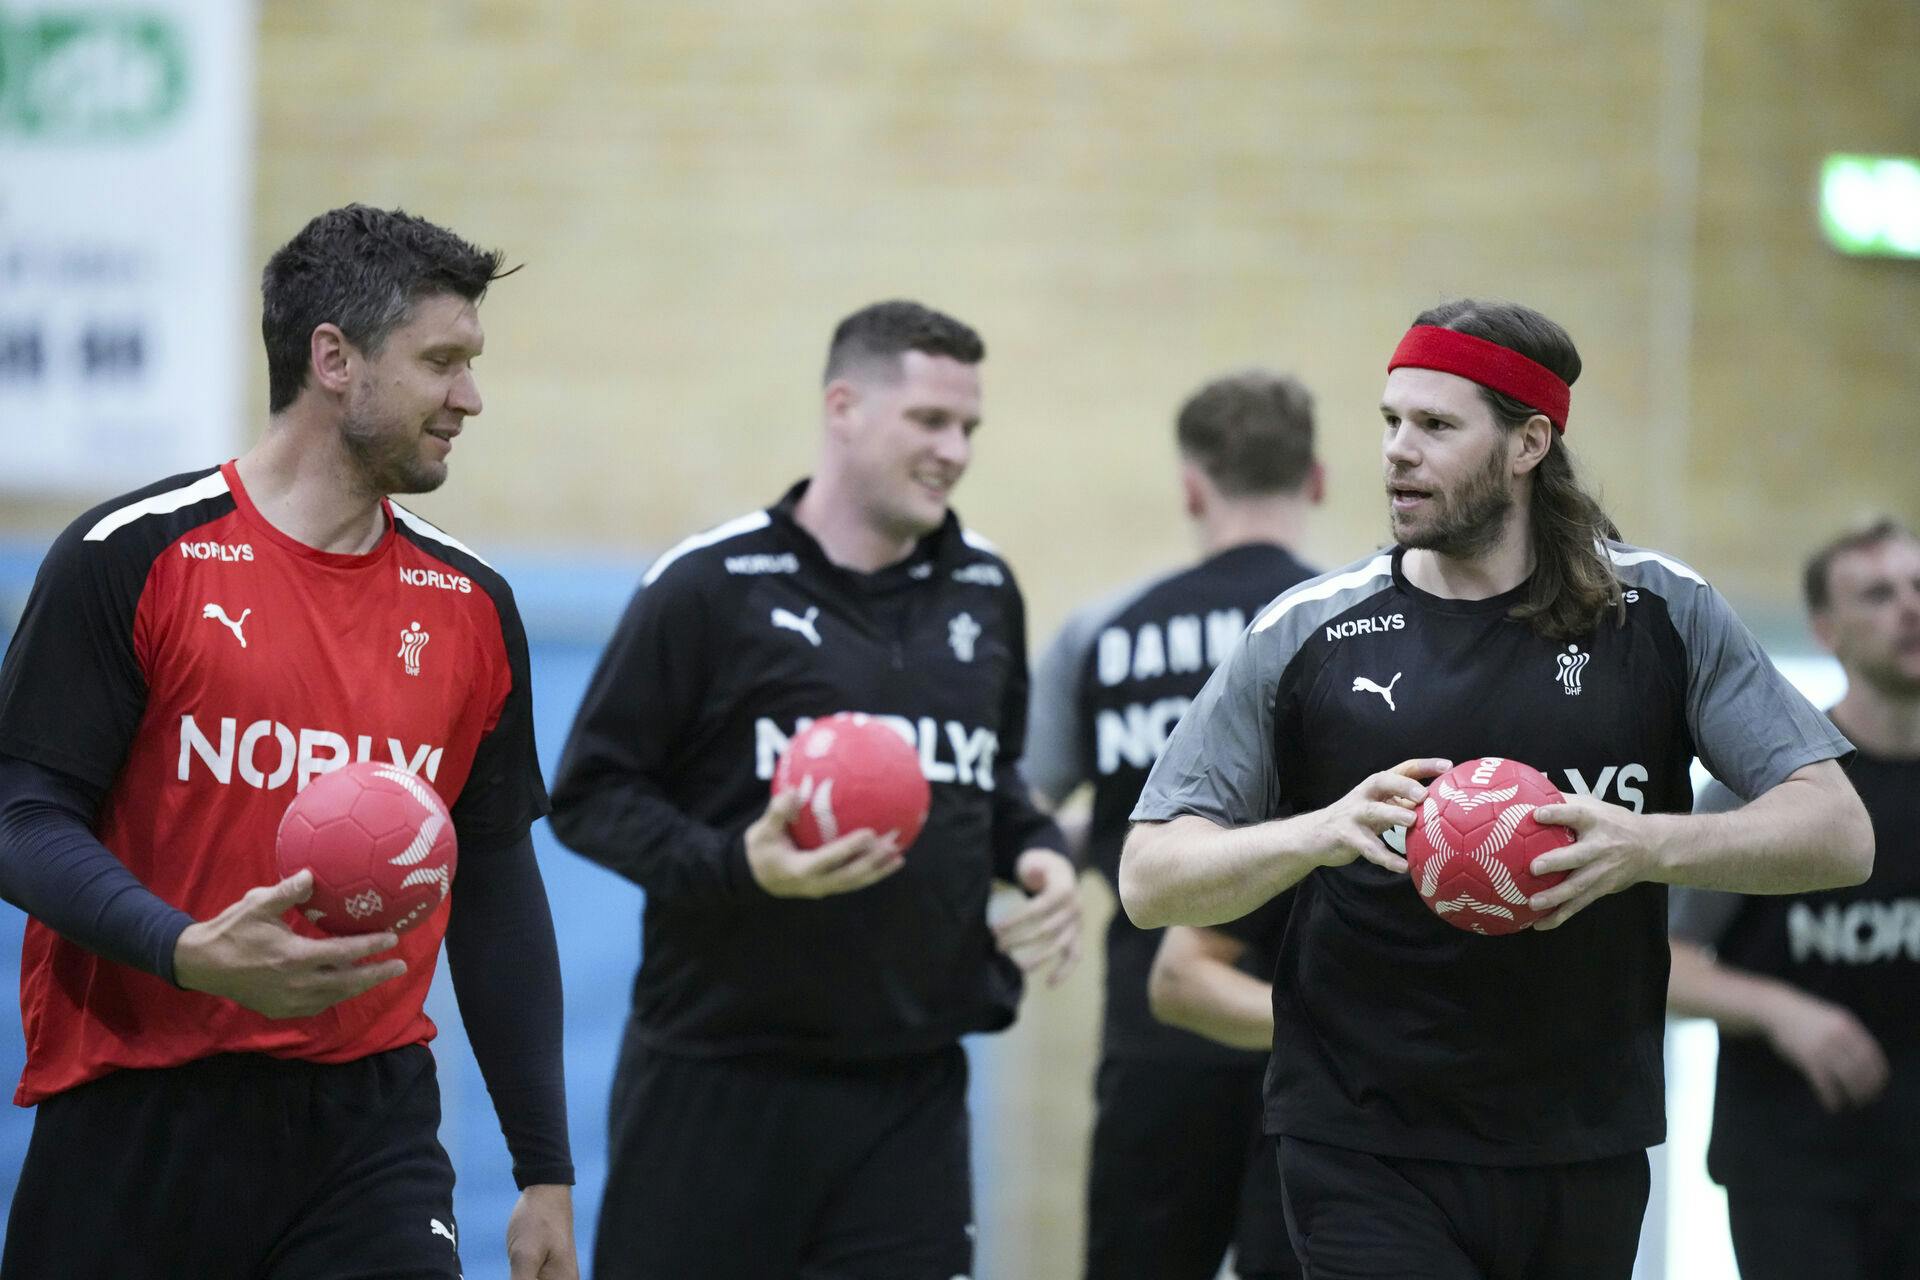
(962, 631)
(412, 641)
(1572, 663)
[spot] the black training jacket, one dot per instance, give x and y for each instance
(736, 639)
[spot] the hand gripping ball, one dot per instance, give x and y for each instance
(1474, 838)
(854, 772)
(379, 842)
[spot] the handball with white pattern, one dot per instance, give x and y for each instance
(1474, 838)
(853, 772)
(380, 844)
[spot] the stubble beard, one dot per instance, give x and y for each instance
(1468, 522)
(386, 455)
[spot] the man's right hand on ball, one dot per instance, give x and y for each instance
(1350, 828)
(785, 870)
(249, 955)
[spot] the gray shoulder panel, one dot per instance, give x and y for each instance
(1220, 763)
(1750, 726)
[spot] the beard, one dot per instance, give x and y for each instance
(386, 453)
(1467, 521)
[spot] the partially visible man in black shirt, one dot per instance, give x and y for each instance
(1816, 1116)
(791, 1094)
(1179, 1167)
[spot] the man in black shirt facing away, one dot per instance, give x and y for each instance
(1816, 1117)
(1180, 1168)
(1451, 1105)
(790, 1098)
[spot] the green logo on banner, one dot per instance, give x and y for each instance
(90, 74)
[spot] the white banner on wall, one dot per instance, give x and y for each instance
(125, 130)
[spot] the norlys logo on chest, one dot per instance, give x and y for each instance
(268, 754)
(949, 751)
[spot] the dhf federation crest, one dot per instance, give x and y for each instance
(412, 641)
(961, 633)
(1572, 663)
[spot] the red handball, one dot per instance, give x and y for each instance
(855, 772)
(1474, 838)
(379, 842)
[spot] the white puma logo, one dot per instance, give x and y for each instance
(442, 1229)
(1363, 685)
(215, 612)
(803, 625)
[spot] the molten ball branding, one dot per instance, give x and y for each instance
(853, 772)
(1474, 839)
(380, 844)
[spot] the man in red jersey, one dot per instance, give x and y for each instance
(221, 1092)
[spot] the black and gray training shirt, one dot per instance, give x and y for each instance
(1106, 696)
(736, 639)
(1396, 1033)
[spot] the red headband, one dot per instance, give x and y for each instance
(1498, 368)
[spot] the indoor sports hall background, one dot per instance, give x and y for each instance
(1125, 197)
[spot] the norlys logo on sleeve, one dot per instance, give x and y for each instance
(434, 578)
(267, 754)
(949, 751)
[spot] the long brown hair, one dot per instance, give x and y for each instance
(1574, 586)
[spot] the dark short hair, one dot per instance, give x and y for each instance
(1251, 432)
(362, 269)
(886, 331)
(1817, 581)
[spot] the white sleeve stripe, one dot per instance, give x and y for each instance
(438, 534)
(1378, 567)
(978, 541)
(719, 533)
(1624, 558)
(208, 486)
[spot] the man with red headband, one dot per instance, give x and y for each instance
(1450, 1105)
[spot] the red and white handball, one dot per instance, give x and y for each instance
(380, 844)
(853, 772)
(1474, 838)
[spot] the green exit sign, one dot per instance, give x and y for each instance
(1870, 205)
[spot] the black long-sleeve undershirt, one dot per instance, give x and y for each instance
(505, 965)
(56, 870)
(501, 949)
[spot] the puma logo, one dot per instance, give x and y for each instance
(1363, 685)
(803, 625)
(442, 1229)
(219, 615)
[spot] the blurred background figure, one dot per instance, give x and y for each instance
(1180, 1169)
(1816, 1117)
